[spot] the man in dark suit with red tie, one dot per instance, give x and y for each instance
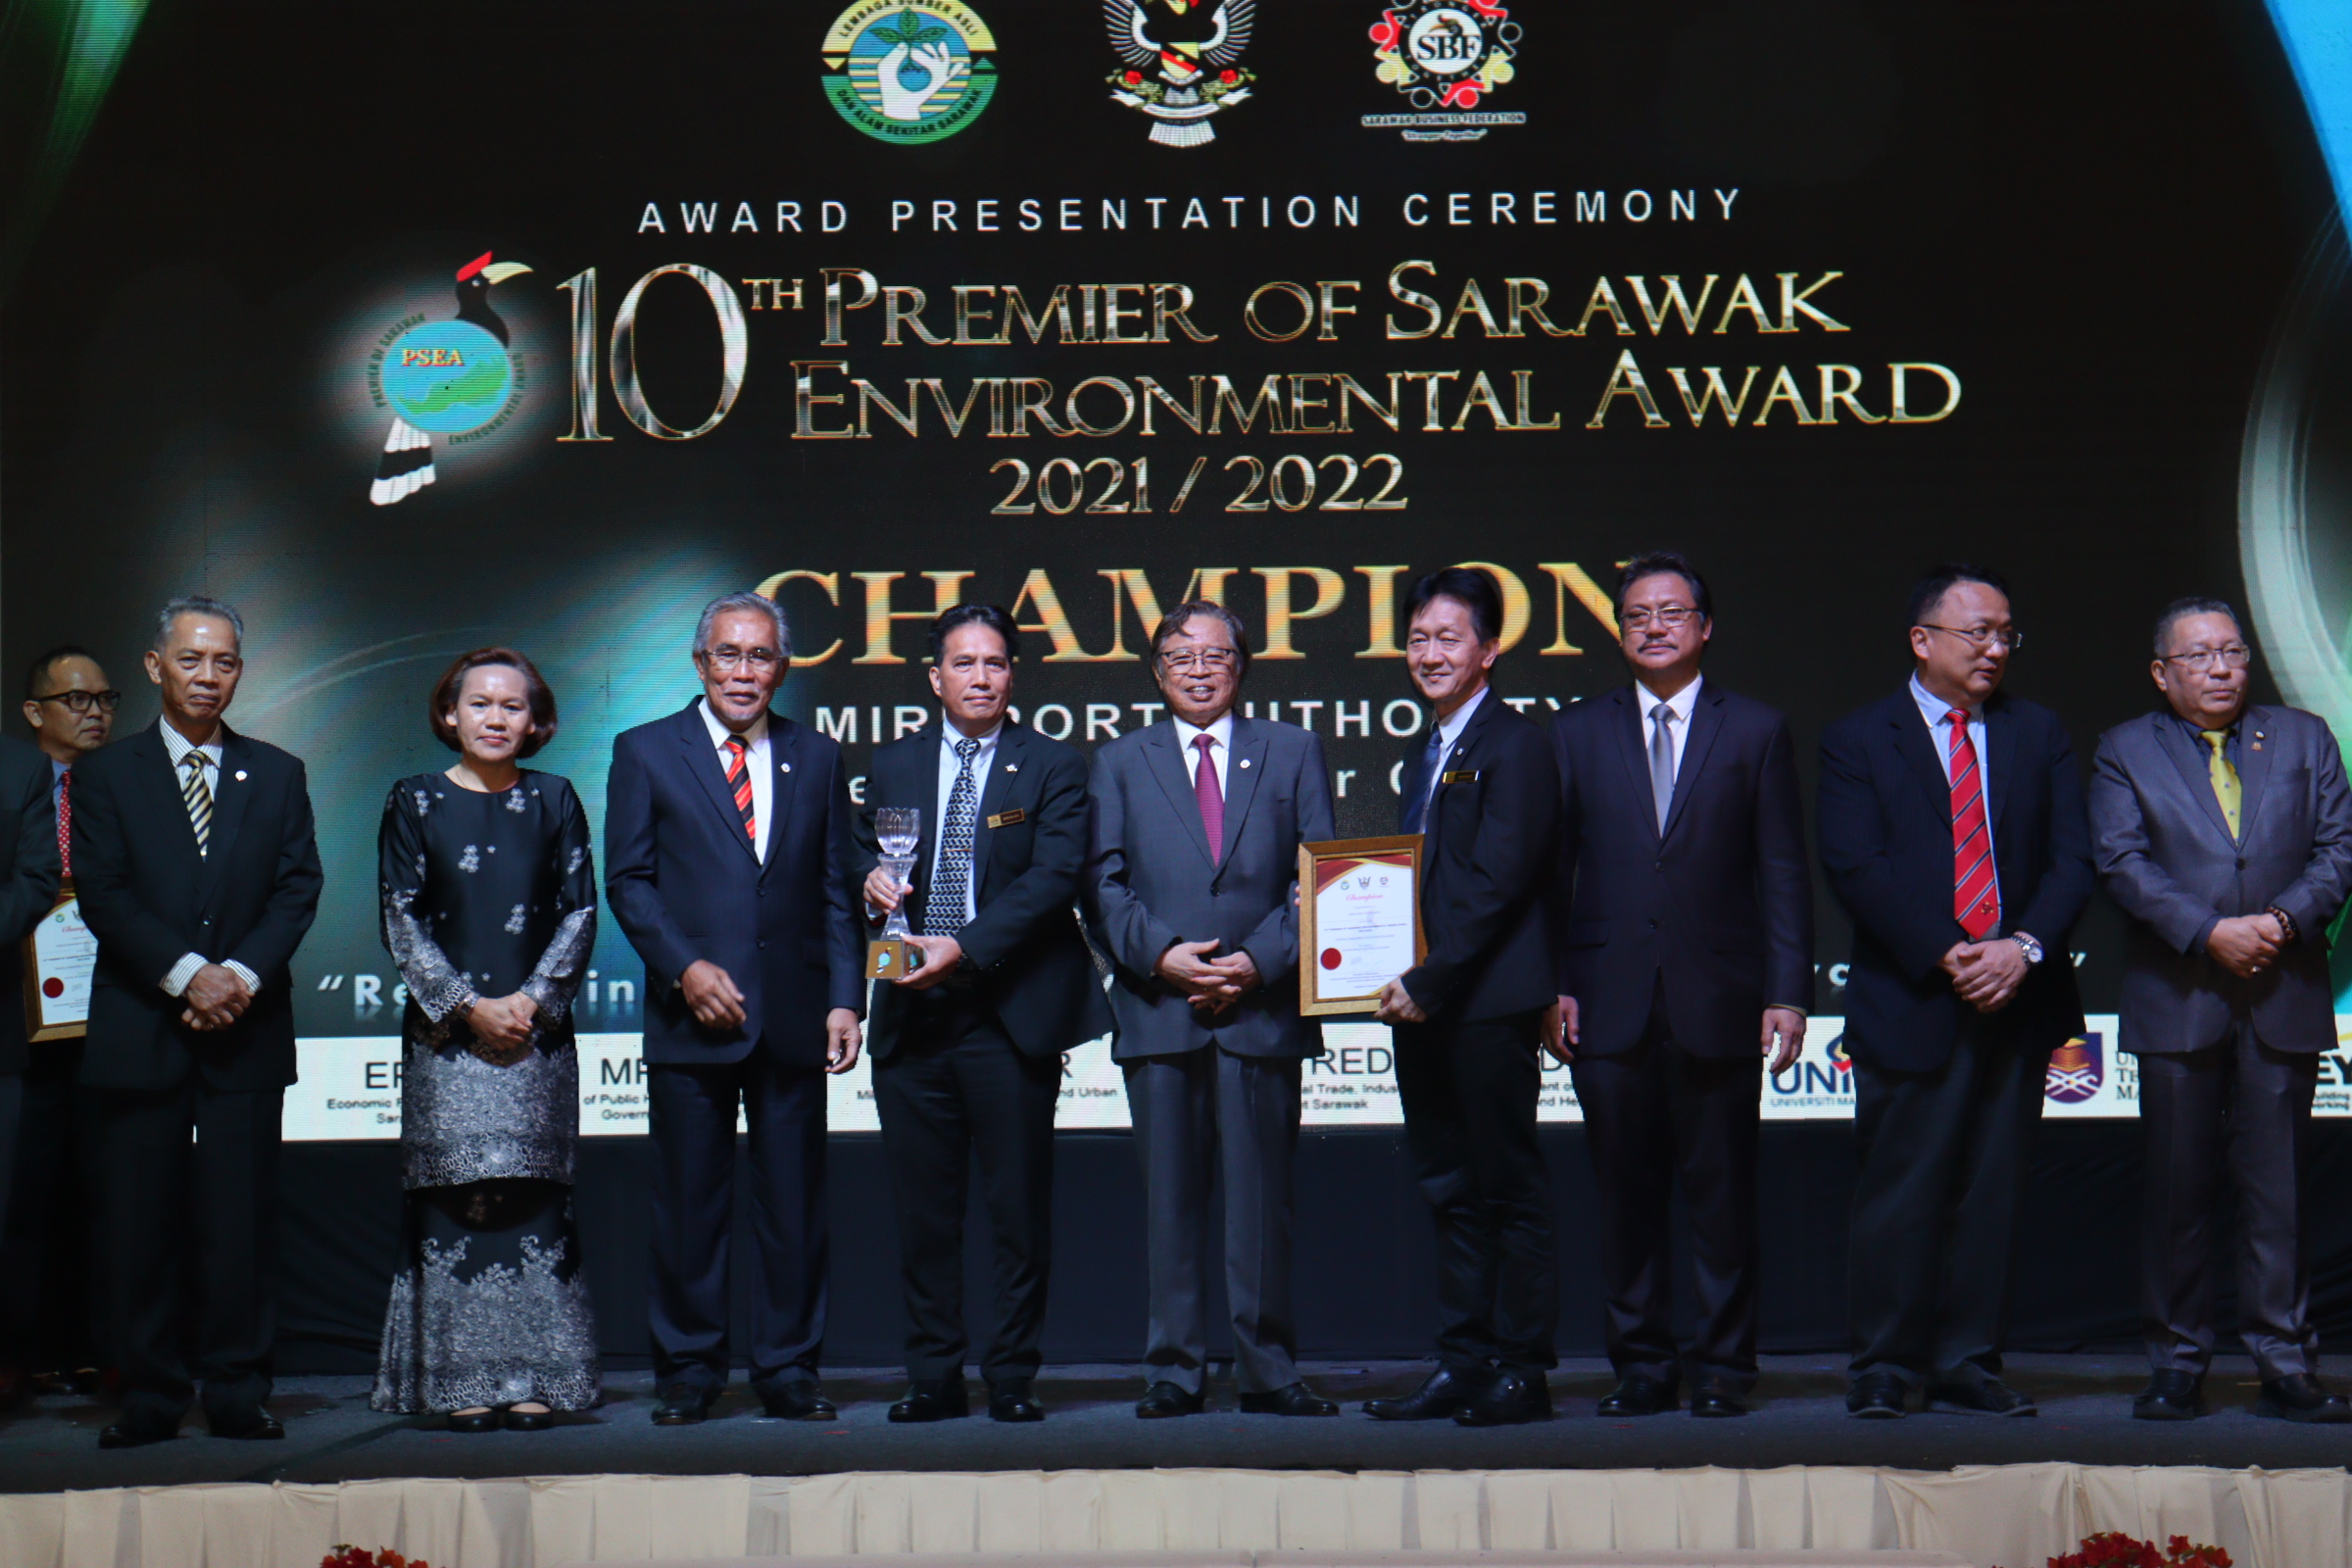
(727, 854)
(1686, 957)
(1953, 831)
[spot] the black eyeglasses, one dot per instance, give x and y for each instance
(2234, 657)
(84, 702)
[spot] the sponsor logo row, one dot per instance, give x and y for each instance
(921, 70)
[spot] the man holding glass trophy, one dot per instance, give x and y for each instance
(974, 835)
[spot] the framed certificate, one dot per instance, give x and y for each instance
(59, 958)
(1359, 920)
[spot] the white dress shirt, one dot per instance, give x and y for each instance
(1220, 735)
(1935, 710)
(178, 747)
(1678, 728)
(763, 782)
(950, 764)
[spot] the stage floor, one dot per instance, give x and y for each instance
(1800, 1418)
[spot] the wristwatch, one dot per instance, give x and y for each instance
(2032, 948)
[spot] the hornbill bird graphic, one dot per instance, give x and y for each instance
(406, 464)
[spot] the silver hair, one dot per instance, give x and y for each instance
(197, 605)
(747, 602)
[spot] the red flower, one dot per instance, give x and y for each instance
(1133, 79)
(1229, 78)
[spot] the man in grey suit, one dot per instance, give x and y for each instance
(1192, 865)
(2224, 832)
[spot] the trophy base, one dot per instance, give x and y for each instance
(892, 959)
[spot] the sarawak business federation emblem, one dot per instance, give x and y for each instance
(1182, 62)
(1445, 56)
(909, 71)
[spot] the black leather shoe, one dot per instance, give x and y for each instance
(1513, 1398)
(2301, 1398)
(1636, 1395)
(528, 1420)
(1294, 1398)
(2171, 1396)
(484, 1420)
(1163, 1399)
(1013, 1401)
(1877, 1396)
(683, 1404)
(1442, 1393)
(1714, 1397)
(926, 1401)
(1992, 1396)
(256, 1424)
(137, 1434)
(800, 1400)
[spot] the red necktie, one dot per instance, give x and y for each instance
(1212, 797)
(64, 821)
(1976, 901)
(739, 779)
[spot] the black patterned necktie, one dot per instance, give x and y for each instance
(200, 802)
(951, 876)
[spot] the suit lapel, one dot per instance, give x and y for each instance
(784, 757)
(1167, 765)
(2196, 775)
(1633, 747)
(2255, 749)
(1003, 780)
(229, 799)
(1242, 769)
(1706, 722)
(701, 761)
(2001, 768)
(168, 803)
(1918, 748)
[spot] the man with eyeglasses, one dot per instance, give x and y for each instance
(1191, 887)
(1954, 832)
(2223, 829)
(45, 1306)
(1686, 958)
(727, 860)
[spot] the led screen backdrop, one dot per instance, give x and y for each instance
(415, 327)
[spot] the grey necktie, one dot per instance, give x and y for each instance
(943, 909)
(1661, 762)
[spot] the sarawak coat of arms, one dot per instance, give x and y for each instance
(1181, 58)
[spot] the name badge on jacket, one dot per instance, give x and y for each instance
(1007, 819)
(1463, 775)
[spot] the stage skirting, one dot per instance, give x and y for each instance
(2010, 1516)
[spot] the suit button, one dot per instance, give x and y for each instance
(2241, 862)
(1214, 893)
(763, 942)
(1659, 866)
(763, 893)
(1654, 924)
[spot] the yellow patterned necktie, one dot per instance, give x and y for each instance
(2224, 777)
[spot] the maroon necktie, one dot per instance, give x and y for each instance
(739, 780)
(1210, 796)
(1976, 901)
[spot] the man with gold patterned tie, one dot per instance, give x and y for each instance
(2225, 831)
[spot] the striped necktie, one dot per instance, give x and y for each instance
(1976, 901)
(739, 783)
(200, 801)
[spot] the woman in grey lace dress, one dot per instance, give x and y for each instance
(489, 906)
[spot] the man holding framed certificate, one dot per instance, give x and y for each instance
(1482, 793)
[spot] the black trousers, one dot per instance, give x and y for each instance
(693, 1114)
(2245, 1108)
(1469, 1093)
(1944, 1159)
(956, 1084)
(187, 1228)
(46, 1302)
(1651, 1113)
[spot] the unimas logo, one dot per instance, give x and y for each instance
(909, 71)
(454, 376)
(2076, 1070)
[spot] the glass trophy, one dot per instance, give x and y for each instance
(899, 828)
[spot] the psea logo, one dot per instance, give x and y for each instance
(2076, 1070)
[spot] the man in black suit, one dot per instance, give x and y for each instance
(2225, 831)
(967, 1048)
(197, 866)
(28, 826)
(1690, 917)
(727, 850)
(1192, 886)
(1954, 832)
(1486, 793)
